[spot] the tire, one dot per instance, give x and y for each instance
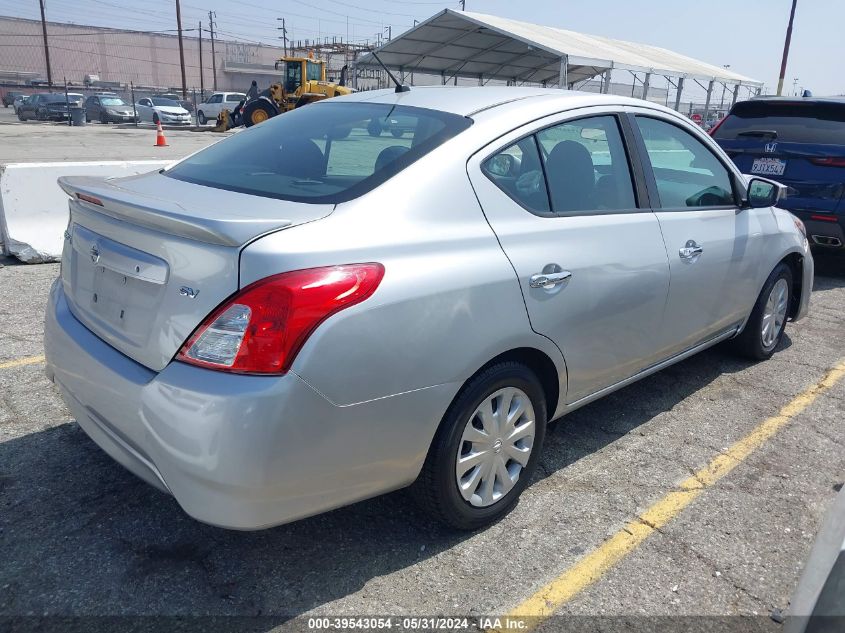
(104, 118)
(397, 133)
(374, 128)
(258, 111)
(21, 117)
(436, 489)
(754, 342)
(201, 118)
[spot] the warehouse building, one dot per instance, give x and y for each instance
(103, 57)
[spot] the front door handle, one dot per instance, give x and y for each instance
(548, 280)
(690, 251)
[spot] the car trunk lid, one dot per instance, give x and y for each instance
(146, 258)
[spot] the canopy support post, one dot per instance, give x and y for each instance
(646, 82)
(736, 95)
(605, 88)
(707, 102)
(563, 78)
(678, 94)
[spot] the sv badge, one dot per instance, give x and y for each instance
(188, 292)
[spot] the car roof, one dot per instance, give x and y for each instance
(796, 99)
(468, 100)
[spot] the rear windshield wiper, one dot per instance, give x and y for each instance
(771, 133)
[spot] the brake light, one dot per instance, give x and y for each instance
(824, 218)
(86, 198)
(829, 161)
(260, 329)
(713, 129)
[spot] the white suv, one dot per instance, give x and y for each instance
(216, 103)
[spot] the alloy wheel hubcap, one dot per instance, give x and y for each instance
(774, 313)
(495, 447)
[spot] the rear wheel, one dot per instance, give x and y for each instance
(374, 128)
(201, 118)
(764, 329)
(397, 133)
(486, 448)
(257, 111)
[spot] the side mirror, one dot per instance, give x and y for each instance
(501, 165)
(764, 193)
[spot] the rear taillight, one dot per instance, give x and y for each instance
(829, 161)
(713, 129)
(260, 329)
(824, 217)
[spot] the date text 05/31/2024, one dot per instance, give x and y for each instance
(484, 623)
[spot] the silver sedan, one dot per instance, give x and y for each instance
(304, 314)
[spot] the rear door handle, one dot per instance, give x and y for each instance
(548, 280)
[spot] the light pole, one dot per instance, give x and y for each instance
(786, 48)
(724, 87)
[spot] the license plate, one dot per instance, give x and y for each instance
(768, 166)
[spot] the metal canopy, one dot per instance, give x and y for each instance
(454, 43)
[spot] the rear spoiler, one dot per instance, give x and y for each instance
(103, 196)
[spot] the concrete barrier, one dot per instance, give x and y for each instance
(34, 210)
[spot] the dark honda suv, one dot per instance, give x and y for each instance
(799, 141)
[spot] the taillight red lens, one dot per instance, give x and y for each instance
(260, 329)
(829, 161)
(824, 218)
(713, 129)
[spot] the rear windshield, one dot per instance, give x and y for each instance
(794, 122)
(57, 98)
(321, 153)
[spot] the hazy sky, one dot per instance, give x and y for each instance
(747, 34)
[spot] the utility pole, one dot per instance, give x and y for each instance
(786, 48)
(46, 48)
(202, 84)
(181, 50)
(284, 36)
(213, 57)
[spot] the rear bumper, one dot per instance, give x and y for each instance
(826, 235)
(241, 452)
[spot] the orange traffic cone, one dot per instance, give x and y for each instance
(160, 140)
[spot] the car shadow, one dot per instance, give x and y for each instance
(80, 535)
(830, 272)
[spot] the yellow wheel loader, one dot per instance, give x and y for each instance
(303, 81)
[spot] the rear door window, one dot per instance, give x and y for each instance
(323, 153)
(518, 171)
(586, 166)
(792, 122)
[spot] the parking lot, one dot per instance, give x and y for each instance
(81, 536)
(48, 141)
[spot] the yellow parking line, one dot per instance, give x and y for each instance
(29, 360)
(594, 565)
